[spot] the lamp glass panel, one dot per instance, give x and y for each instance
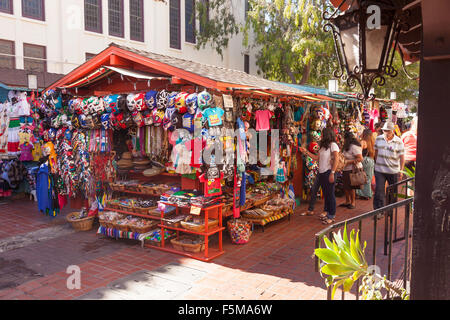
(351, 46)
(374, 46)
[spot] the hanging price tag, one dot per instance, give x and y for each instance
(196, 210)
(228, 101)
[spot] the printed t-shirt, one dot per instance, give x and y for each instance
(263, 120)
(325, 157)
(214, 116)
(212, 187)
(188, 122)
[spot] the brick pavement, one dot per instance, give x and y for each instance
(275, 264)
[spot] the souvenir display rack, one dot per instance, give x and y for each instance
(209, 253)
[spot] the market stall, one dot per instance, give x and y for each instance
(162, 149)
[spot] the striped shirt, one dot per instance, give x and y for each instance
(388, 159)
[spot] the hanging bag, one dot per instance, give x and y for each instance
(341, 162)
(358, 177)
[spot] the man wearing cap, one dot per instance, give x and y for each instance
(389, 162)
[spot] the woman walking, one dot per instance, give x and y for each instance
(328, 161)
(368, 152)
(353, 156)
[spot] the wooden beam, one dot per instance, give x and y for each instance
(116, 61)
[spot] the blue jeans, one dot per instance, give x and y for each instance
(328, 194)
(380, 193)
(313, 193)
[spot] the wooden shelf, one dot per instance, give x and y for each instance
(209, 253)
(168, 247)
(138, 193)
(132, 213)
(209, 233)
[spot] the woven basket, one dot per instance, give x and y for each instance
(84, 224)
(142, 230)
(199, 227)
(240, 231)
(179, 245)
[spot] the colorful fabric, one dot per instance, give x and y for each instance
(26, 152)
(263, 119)
(211, 187)
(214, 116)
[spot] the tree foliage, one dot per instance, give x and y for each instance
(289, 41)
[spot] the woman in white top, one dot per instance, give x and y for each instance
(328, 161)
(353, 156)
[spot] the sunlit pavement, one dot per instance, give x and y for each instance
(35, 252)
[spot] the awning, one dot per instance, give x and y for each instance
(108, 70)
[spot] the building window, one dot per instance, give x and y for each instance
(7, 54)
(175, 34)
(115, 16)
(246, 63)
(89, 56)
(137, 20)
(6, 6)
(34, 9)
(34, 58)
(204, 17)
(93, 16)
(189, 9)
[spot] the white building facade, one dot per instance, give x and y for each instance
(56, 36)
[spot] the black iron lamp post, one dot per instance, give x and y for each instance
(366, 38)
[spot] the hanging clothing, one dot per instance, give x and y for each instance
(43, 189)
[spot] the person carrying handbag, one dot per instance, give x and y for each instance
(328, 162)
(353, 157)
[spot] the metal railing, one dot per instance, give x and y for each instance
(390, 233)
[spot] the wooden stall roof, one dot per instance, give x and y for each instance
(179, 70)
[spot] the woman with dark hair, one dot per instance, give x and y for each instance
(368, 152)
(353, 156)
(328, 161)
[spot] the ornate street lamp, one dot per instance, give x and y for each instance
(365, 38)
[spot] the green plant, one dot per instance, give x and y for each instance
(343, 262)
(409, 173)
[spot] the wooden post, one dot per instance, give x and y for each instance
(430, 265)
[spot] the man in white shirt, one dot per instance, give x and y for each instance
(389, 162)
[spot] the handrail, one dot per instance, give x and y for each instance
(363, 216)
(400, 182)
(387, 212)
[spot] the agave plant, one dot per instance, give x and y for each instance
(409, 173)
(343, 263)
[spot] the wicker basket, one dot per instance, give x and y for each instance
(122, 227)
(260, 201)
(84, 224)
(142, 230)
(188, 247)
(199, 227)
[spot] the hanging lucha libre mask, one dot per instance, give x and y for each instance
(150, 99)
(148, 118)
(191, 103)
(161, 99)
(180, 102)
(204, 100)
(139, 102)
(131, 103)
(111, 102)
(106, 124)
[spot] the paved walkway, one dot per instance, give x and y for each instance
(36, 250)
